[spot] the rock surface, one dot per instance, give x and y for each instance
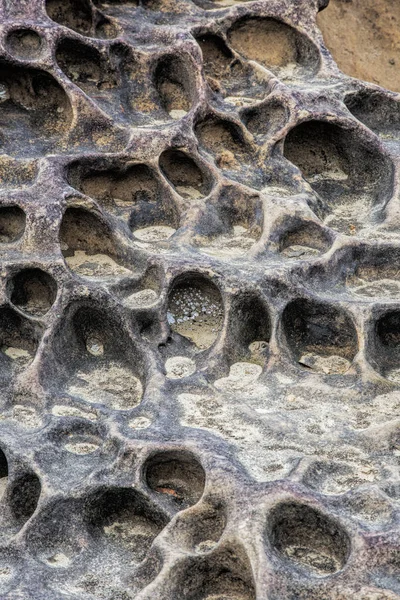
(200, 309)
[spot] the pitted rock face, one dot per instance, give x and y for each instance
(200, 306)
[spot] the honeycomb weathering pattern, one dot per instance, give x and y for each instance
(200, 306)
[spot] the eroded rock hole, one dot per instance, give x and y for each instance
(200, 529)
(227, 75)
(33, 291)
(24, 497)
(304, 240)
(275, 45)
(353, 180)
(104, 366)
(34, 109)
(177, 476)
(376, 110)
(226, 574)
(125, 521)
(309, 539)
(265, 120)
(12, 224)
(320, 336)
(85, 67)
(133, 193)
(249, 330)
(3, 473)
(174, 86)
(387, 347)
(24, 43)
(18, 338)
(184, 174)
(225, 141)
(74, 14)
(87, 245)
(195, 310)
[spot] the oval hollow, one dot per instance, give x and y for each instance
(177, 476)
(34, 291)
(308, 539)
(195, 309)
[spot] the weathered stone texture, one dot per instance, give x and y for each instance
(200, 306)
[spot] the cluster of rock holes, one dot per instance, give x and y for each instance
(300, 534)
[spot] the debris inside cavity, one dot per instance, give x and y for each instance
(58, 560)
(230, 246)
(205, 546)
(297, 251)
(94, 346)
(383, 288)
(241, 376)
(17, 354)
(177, 114)
(196, 314)
(95, 265)
(112, 385)
(139, 423)
(327, 365)
(81, 448)
(188, 192)
(140, 299)
(179, 367)
(26, 416)
(60, 410)
(158, 233)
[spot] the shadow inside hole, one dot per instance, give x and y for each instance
(123, 522)
(308, 539)
(386, 347)
(377, 110)
(74, 14)
(224, 574)
(195, 310)
(33, 291)
(12, 224)
(226, 75)
(354, 180)
(175, 86)
(266, 120)
(24, 43)
(88, 246)
(24, 496)
(19, 339)
(3, 473)
(103, 364)
(184, 174)
(199, 529)
(249, 330)
(277, 46)
(237, 218)
(320, 336)
(303, 240)
(132, 193)
(176, 476)
(59, 534)
(35, 111)
(225, 142)
(91, 71)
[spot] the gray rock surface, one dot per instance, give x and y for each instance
(200, 306)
